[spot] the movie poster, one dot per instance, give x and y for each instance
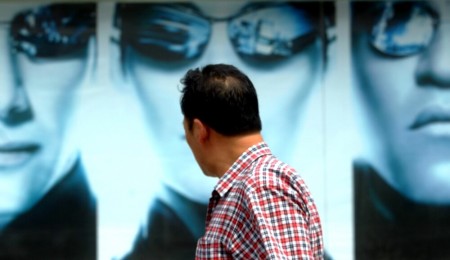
(401, 74)
(93, 159)
(285, 48)
(47, 207)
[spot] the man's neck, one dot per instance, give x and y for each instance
(228, 149)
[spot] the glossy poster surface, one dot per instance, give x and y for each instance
(401, 68)
(283, 47)
(47, 208)
(94, 164)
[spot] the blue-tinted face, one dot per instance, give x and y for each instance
(278, 46)
(402, 65)
(173, 32)
(43, 58)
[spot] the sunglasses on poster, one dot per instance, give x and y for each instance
(404, 28)
(52, 31)
(175, 32)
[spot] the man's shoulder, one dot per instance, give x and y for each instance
(268, 171)
(271, 165)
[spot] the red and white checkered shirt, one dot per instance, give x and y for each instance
(261, 209)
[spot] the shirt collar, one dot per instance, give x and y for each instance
(244, 161)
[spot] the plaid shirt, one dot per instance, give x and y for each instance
(261, 209)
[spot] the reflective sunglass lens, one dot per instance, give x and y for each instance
(272, 33)
(54, 30)
(403, 29)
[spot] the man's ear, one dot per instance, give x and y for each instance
(200, 130)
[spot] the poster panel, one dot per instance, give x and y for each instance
(400, 55)
(47, 208)
(282, 46)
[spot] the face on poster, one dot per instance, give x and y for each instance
(45, 52)
(401, 61)
(280, 46)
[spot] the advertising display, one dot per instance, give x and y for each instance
(401, 68)
(94, 163)
(47, 208)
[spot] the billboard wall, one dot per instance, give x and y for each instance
(93, 159)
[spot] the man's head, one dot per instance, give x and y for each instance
(223, 98)
(221, 117)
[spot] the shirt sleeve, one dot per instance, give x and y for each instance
(282, 225)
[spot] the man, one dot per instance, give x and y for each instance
(401, 61)
(283, 45)
(47, 210)
(260, 208)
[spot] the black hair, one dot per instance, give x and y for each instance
(222, 97)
